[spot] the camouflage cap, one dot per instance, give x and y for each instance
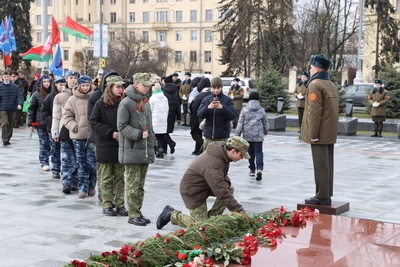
(114, 79)
(241, 145)
(142, 78)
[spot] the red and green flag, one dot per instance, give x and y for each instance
(73, 28)
(34, 54)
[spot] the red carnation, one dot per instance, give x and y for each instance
(146, 100)
(202, 228)
(123, 258)
(125, 246)
(124, 251)
(82, 264)
(167, 240)
(136, 253)
(75, 262)
(181, 232)
(140, 244)
(158, 235)
(137, 110)
(246, 250)
(273, 242)
(105, 254)
(182, 256)
(114, 252)
(130, 248)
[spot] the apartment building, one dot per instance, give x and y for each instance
(187, 27)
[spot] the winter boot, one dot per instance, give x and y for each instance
(375, 134)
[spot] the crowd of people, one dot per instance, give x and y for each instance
(105, 132)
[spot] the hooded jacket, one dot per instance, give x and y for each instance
(33, 110)
(46, 110)
(253, 122)
(217, 120)
(131, 120)
(97, 95)
(75, 115)
(207, 176)
(174, 112)
(58, 120)
(159, 111)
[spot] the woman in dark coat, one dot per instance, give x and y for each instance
(103, 122)
(174, 113)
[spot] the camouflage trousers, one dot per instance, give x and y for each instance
(44, 147)
(198, 214)
(207, 141)
(7, 119)
(135, 176)
(86, 162)
(68, 164)
(111, 182)
(55, 155)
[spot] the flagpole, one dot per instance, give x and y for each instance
(45, 27)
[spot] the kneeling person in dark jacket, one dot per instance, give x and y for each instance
(208, 176)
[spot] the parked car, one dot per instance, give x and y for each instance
(358, 92)
(246, 83)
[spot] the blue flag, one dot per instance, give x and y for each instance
(57, 65)
(11, 36)
(4, 43)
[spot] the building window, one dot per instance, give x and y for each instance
(66, 54)
(145, 17)
(65, 37)
(145, 1)
(145, 36)
(162, 55)
(208, 14)
(38, 2)
(113, 17)
(178, 56)
(131, 1)
(159, 1)
(39, 19)
(132, 55)
(178, 36)
(209, 36)
(193, 36)
(132, 17)
(145, 56)
(39, 37)
(178, 16)
(193, 15)
(161, 36)
(193, 56)
(49, 2)
(162, 16)
(112, 2)
(112, 36)
(132, 36)
(207, 56)
(78, 40)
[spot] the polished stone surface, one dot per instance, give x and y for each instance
(334, 241)
(40, 226)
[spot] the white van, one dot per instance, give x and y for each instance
(246, 83)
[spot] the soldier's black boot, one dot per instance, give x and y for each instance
(375, 134)
(380, 133)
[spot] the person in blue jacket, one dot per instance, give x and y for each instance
(218, 110)
(10, 102)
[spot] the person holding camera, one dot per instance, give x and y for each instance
(218, 110)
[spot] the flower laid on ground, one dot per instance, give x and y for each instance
(205, 242)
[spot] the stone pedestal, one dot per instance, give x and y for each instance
(347, 126)
(277, 123)
(398, 130)
(335, 208)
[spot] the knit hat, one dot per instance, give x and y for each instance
(72, 73)
(378, 81)
(188, 74)
(216, 81)
(84, 79)
(143, 78)
(196, 81)
(241, 145)
(320, 61)
(60, 79)
(254, 96)
(37, 75)
(114, 79)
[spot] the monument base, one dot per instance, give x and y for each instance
(336, 207)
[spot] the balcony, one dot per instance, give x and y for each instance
(160, 26)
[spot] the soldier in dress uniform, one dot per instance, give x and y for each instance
(378, 98)
(300, 92)
(320, 126)
(236, 93)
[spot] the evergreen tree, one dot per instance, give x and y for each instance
(270, 87)
(19, 11)
(391, 79)
(387, 42)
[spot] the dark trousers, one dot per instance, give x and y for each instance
(300, 112)
(7, 119)
(197, 136)
(161, 140)
(256, 156)
(323, 170)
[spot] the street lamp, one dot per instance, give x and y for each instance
(359, 78)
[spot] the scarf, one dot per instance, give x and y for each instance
(322, 75)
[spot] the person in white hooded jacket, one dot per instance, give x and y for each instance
(159, 110)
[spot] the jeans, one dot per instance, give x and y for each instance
(44, 147)
(86, 160)
(256, 155)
